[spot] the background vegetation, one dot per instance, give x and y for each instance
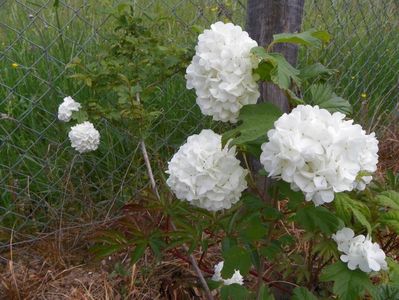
(45, 186)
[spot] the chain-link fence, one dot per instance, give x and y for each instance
(46, 188)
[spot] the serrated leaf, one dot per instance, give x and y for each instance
(318, 218)
(236, 258)
(391, 219)
(388, 199)
(310, 38)
(323, 96)
(362, 219)
(257, 120)
(138, 252)
(386, 292)
(301, 293)
(344, 206)
(348, 284)
(234, 292)
(252, 228)
(315, 70)
(270, 251)
(283, 73)
(252, 203)
(275, 68)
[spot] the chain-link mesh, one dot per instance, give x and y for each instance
(46, 187)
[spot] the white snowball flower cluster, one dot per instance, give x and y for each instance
(359, 251)
(66, 108)
(319, 153)
(84, 137)
(236, 278)
(221, 72)
(205, 173)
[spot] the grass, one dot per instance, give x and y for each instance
(45, 185)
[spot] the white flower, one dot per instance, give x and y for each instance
(236, 278)
(365, 255)
(66, 108)
(319, 153)
(84, 137)
(205, 174)
(343, 238)
(221, 72)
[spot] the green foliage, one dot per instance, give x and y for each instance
(323, 96)
(317, 219)
(236, 258)
(316, 70)
(234, 292)
(301, 293)
(388, 199)
(136, 60)
(275, 68)
(348, 208)
(312, 38)
(348, 285)
(255, 120)
(265, 293)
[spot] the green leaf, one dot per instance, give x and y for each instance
(283, 73)
(252, 229)
(389, 199)
(391, 219)
(322, 35)
(138, 252)
(362, 219)
(345, 205)
(295, 198)
(393, 270)
(386, 292)
(310, 38)
(318, 218)
(323, 96)
(234, 292)
(252, 203)
(275, 68)
(236, 258)
(270, 251)
(348, 284)
(212, 284)
(305, 38)
(315, 70)
(257, 120)
(265, 293)
(80, 116)
(301, 293)
(105, 250)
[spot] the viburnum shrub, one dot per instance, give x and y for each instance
(318, 227)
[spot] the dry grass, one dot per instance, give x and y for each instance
(44, 270)
(389, 149)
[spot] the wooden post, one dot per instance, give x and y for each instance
(265, 18)
(268, 17)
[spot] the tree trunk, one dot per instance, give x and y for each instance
(268, 17)
(265, 18)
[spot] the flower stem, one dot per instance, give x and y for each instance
(155, 189)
